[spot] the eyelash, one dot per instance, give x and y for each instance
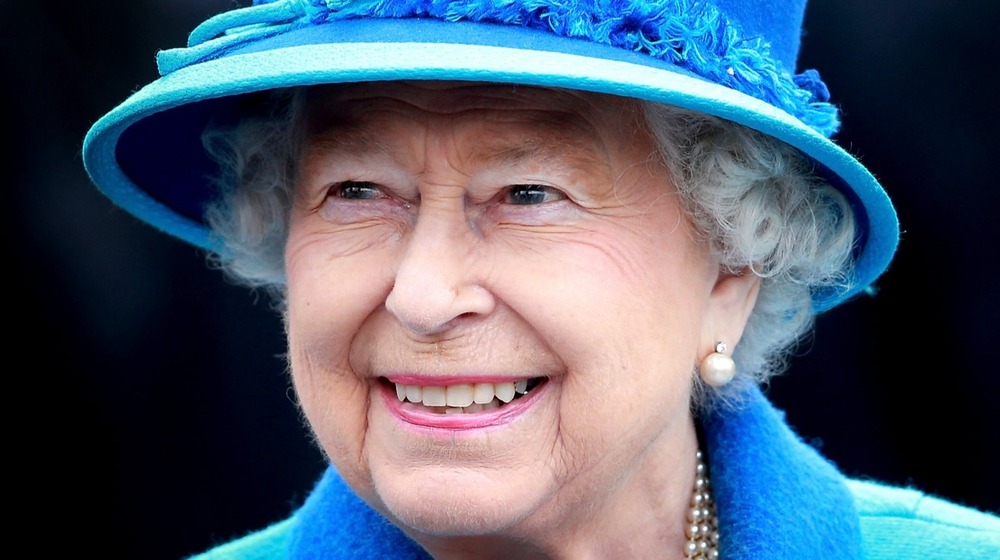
(356, 190)
(341, 190)
(544, 190)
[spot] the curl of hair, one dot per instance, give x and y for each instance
(762, 208)
(256, 163)
(757, 203)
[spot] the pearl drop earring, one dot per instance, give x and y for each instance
(717, 368)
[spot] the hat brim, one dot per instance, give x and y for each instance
(146, 154)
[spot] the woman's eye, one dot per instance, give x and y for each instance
(524, 195)
(357, 190)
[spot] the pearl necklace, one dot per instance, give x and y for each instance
(702, 527)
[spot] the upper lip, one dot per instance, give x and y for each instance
(439, 380)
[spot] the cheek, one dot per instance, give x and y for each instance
(328, 300)
(332, 290)
(597, 286)
(622, 312)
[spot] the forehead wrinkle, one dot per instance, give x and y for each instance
(566, 137)
(349, 140)
(560, 150)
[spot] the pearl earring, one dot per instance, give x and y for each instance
(717, 368)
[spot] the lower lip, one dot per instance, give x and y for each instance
(459, 422)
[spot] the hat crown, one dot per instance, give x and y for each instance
(748, 46)
(779, 22)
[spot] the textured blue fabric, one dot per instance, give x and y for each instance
(780, 499)
(358, 533)
(905, 524)
(732, 48)
(146, 154)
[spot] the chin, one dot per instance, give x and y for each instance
(459, 506)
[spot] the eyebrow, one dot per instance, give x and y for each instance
(355, 140)
(542, 148)
(347, 139)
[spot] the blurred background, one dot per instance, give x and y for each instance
(159, 418)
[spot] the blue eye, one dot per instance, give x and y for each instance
(358, 190)
(524, 195)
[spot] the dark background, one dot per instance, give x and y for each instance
(157, 417)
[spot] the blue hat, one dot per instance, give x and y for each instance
(734, 59)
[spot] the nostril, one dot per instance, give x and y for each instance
(427, 304)
(421, 305)
(474, 299)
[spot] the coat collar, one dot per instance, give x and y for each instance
(776, 497)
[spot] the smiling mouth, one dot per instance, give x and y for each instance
(465, 398)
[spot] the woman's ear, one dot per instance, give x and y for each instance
(730, 304)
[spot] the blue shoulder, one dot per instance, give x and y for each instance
(270, 543)
(902, 523)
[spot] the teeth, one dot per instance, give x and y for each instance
(484, 393)
(505, 392)
(434, 395)
(464, 397)
(413, 393)
(459, 395)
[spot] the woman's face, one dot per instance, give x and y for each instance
(454, 245)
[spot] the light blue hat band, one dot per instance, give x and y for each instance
(689, 35)
(146, 154)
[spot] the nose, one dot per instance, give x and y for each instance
(440, 274)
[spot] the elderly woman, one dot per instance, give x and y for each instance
(534, 260)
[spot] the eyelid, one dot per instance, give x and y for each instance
(331, 171)
(553, 194)
(339, 186)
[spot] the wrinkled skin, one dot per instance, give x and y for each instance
(446, 232)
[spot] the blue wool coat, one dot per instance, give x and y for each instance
(776, 498)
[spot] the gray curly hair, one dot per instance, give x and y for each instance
(758, 203)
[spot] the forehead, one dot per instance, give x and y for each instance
(458, 97)
(337, 103)
(517, 118)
